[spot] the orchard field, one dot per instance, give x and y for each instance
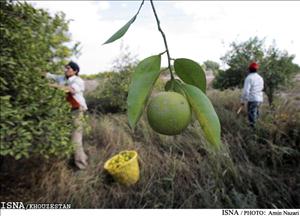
(258, 170)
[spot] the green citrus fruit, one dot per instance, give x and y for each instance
(169, 113)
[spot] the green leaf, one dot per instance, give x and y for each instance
(190, 72)
(121, 31)
(143, 80)
(205, 114)
(124, 29)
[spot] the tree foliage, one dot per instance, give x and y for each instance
(111, 93)
(35, 118)
(276, 66)
(211, 66)
(278, 71)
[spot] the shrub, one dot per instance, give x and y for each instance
(111, 94)
(34, 118)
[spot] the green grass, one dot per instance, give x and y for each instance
(252, 170)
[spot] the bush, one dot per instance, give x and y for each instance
(111, 94)
(35, 119)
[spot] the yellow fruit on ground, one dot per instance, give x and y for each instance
(119, 160)
(169, 113)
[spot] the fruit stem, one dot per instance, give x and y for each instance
(140, 7)
(164, 37)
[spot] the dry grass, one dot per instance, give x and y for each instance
(258, 170)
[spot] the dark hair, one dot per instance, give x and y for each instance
(252, 70)
(74, 66)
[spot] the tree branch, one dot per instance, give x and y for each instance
(164, 37)
(140, 7)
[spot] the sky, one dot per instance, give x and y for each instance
(198, 30)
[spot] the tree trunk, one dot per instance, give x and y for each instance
(270, 95)
(270, 99)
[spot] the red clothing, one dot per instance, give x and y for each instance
(72, 101)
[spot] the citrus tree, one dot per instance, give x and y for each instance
(35, 118)
(191, 86)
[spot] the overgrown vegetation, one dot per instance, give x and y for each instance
(252, 170)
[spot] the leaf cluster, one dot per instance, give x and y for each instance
(192, 85)
(35, 118)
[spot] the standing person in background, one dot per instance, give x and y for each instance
(73, 85)
(253, 93)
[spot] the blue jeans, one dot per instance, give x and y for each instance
(253, 112)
